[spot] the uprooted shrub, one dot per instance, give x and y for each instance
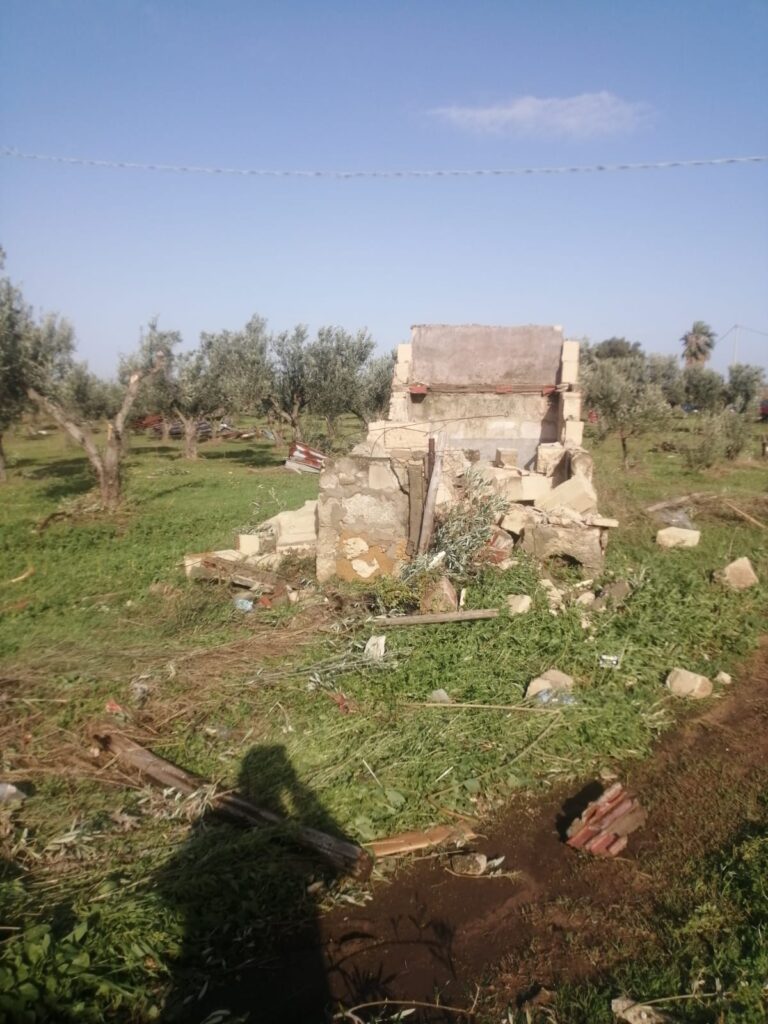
(465, 529)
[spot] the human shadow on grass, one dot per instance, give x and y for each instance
(251, 943)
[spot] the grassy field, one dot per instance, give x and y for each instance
(106, 911)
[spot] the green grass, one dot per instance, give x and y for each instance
(118, 905)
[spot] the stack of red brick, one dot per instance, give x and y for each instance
(604, 826)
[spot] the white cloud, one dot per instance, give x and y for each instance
(576, 117)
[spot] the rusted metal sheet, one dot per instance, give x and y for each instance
(305, 459)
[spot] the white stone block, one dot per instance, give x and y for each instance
(573, 433)
(677, 537)
(381, 477)
(569, 371)
(549, 457)
(570, 350)
(519, 604)
(683, 683)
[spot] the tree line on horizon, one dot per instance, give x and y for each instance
(284, 376)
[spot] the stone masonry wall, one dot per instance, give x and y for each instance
(362, 517)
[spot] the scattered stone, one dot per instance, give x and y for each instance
(586, 599)
(500, 546)
(262, 543)
(554, 596)
(631, 1012)
(506, 458)
(738, 575)
(439, 697)
(577, 494)
(552, 679)
(375, 648)
(514, 521)
(439, 596)
(519, 604)
(469, 863)
(613, 595)
(723, 678)
(11, 794)
(677, 537)
(508, 563)
(582, 545)
(549, 457)
(683, 683)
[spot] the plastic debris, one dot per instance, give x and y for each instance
(375, 648)
(10, 794)
(243, 604)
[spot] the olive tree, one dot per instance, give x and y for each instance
(744, 385)
(336, 361)
(627, 402)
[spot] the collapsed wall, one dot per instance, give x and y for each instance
(505, 399)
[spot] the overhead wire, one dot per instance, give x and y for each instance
(8, 152)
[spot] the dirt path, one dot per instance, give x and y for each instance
(432, 932)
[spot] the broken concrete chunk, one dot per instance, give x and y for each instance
(261, 543)
(514, 521)
(723, 678)
(506, 458)
(677, 537)
(519, 604)
(580, 462)
(683, 683)
(549, 458)
(582, 545)
(738, 575)
(439, 596)
(500, 546)
(587, 599)
(552, 679)
(577, 494)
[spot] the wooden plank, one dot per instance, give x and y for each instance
(428, 522)
(436, 619)
(416, 494)
(342, 854)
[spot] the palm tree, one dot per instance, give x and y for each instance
(698, 344)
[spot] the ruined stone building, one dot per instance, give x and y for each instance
(503, 398)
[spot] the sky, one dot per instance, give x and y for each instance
(375, 85)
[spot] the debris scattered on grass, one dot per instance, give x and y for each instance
(341, 853)
(519, 604)
(24, 576)
(677, 537)
(605, 824)
(433, 620)
(10, 794)
(738, 575)
(683, 683)
(638, 1013)
(469, 863)
(375, 648)
(439, 697)
(548, 681)
(723, 678)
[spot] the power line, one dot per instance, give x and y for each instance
(501, 172)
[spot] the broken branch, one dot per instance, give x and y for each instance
(342, 854)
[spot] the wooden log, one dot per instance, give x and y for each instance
(345, 856)
(437, 618)
(744, 515)
(410, 842)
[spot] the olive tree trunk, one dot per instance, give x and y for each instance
(3, 472)
(190, 436)
(106, 464)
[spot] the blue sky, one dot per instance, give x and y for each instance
(388, 85)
